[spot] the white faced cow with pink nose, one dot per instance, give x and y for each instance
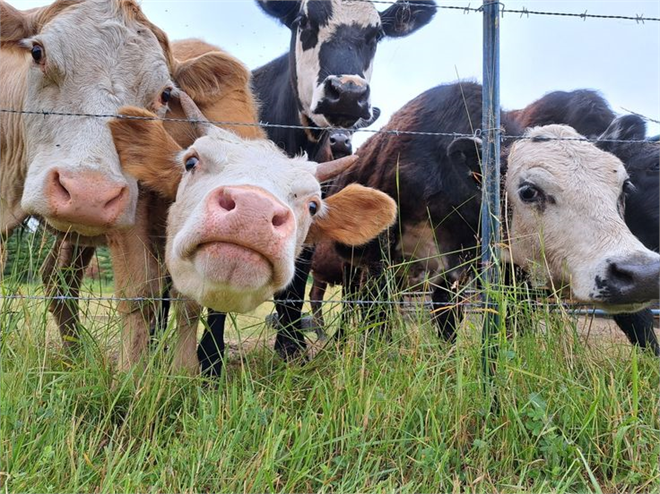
(81, 57)
(243, 209)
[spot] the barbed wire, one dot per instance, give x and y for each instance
(640, 115)
(478, 133)
(524, 11)
(467, 301)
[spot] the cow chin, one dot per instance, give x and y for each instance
(227, 277)
(82, 230)
(233, 265)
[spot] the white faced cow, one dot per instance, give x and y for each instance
(74, 57)
(567, 223)
(243, 211)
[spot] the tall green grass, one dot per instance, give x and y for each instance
(406, 414)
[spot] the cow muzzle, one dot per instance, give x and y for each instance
(86, 202)
(633, 281)
(244, 241)
(344, 100)
(340, 143)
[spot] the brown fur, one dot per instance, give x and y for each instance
(224, 95)
(18, 25)
(339, 226)
(153, 161)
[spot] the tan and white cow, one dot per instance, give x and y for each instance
(92, 57)
(243, 212)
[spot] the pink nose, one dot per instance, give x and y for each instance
(251, 213)
(85, 198)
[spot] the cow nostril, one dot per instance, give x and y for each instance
(621, 275)
(60, 188)
(333, 141)
(117, 199)
(226, 202)
(347, 142)
(333, 89)
(280, 219)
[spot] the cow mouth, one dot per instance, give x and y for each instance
(233, 265)
(66, 228)
(621, 308)
(344, 121)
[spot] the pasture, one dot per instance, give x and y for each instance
(578, 410)
(161, 166)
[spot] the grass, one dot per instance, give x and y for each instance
(406, 415)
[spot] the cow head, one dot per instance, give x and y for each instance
(243, 209)
(642, 161)
(84, 57)
(333, 45)
(566, 199)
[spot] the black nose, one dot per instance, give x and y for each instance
(340, 143)
(632, 281)
(345, 101)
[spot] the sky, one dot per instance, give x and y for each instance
(538, 53)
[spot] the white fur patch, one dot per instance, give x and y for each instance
(308, 65)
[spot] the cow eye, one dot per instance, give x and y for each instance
(628, 187)
(302, 21)
(37, 53)
(191, 163)
(313, 208)
(529, 193)
(166, 96)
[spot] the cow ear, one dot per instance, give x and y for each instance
(626, 127)
(283, 10)
(404, 17)
(18, 25)
(354, 216)
(206, 77)
(465, 153)
(146, 151)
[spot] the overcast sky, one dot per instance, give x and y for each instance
(538, 53)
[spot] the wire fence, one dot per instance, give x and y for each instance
(478, 133)
(525, 12)
(467, 302)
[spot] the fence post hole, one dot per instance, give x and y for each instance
(490, 201)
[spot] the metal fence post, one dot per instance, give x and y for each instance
(490, 204)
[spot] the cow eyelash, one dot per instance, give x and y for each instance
(313, 207)
(530, 193)
(38, 53)
(166, 95)
(190, 163)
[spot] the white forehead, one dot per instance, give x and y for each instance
(100, 31)
(348, 12)
(555, 151)
(229, 160)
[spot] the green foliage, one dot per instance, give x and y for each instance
(26, 251)
(407, 415)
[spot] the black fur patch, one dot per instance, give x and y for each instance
(346, 52)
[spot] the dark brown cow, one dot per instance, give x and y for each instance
(435, 182)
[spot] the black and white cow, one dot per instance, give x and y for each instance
(565, 213)
(322, 81)
(590, 114)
